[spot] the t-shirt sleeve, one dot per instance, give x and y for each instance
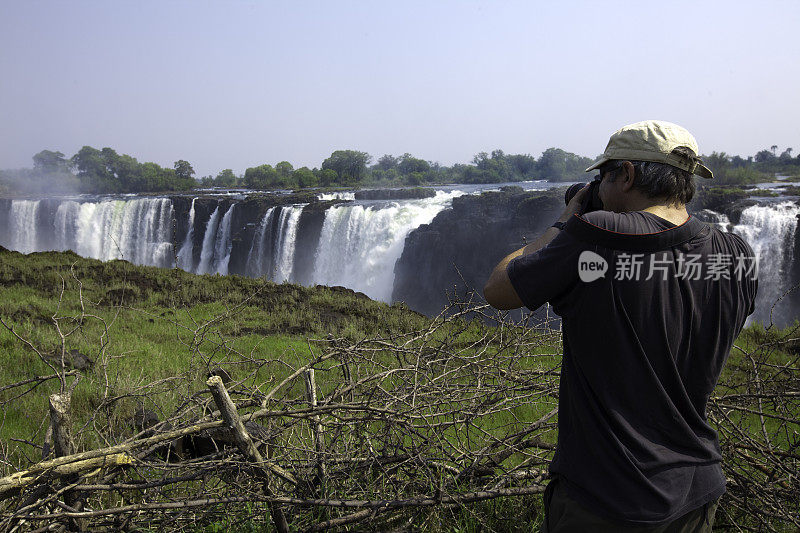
(546, 274)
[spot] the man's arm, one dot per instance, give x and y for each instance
(498, 291)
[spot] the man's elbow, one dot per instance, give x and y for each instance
(501, 295)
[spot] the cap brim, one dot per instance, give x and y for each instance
(703, 171)
(603, 160)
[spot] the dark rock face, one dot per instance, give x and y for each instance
(467, 241)
(246, 216)
(44, 216)
(395, 194)
(309, 229)
(181, 205)
(204, 209)
(729, 201)
(470, 239)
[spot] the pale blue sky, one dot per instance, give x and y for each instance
(236, 84)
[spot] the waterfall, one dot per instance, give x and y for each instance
(66, 227)
(355, 244)
(284, 250)
(207, 252)
(185, 255)
(720, 220)
(327, 196)
(261, 249)
(359, 245)
(223, 244)
(138, 230)
(145, 232)
(23, 225)
(770, 229)
(217, 244)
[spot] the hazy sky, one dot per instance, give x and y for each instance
(237, 84)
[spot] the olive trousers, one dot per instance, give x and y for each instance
(565, 515)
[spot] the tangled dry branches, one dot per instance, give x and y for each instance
(374, 433)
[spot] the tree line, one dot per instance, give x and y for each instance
(352, 168)
(736, 170)
(96, 171)
(93, 170)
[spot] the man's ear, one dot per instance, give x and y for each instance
(627, 176)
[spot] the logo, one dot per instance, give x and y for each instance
(591, 266)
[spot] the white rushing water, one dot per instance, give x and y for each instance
(215, 254)
(23, 225)
(223, 244)
(326, 196)
(287, 238)
(360, 244)
(720, 220)
(209, 239)
(185, 255)
(770, 231)
(261, 248)
(138, 230)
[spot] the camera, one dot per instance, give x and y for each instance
(591, 201)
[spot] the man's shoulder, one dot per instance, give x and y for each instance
(732, 240)
(607, 220)
(627, 222)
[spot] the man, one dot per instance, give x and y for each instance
(651, 300)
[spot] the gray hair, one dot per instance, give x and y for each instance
(659, 180)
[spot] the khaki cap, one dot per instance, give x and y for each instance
(653, 140)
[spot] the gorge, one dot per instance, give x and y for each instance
(392, 246)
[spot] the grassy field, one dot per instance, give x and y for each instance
(148, 338)
(141, 325)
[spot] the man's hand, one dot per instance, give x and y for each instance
(498, 291)
(575, 205)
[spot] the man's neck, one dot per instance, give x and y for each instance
(676, 214)
(673, 212)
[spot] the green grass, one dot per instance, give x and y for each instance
(143, 324)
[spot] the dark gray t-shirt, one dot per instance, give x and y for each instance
(644, 344)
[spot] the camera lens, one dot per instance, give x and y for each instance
(572, 191)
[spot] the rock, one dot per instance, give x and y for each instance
(719, 199)
(143, 419)
(214, 440)
(72, 359)
(344, 290)
(460, 247)
(395, 194)
(309, 230)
